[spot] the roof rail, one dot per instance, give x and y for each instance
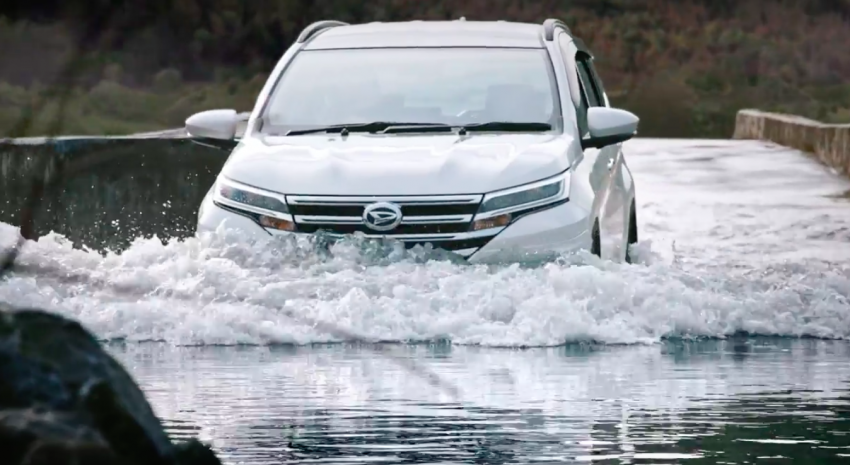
(317, 27)
(549, 28)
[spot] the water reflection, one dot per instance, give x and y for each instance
(742, 400)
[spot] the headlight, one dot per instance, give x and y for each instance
(267, 208)
(498, 208)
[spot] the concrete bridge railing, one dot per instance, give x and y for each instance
(141, 185)
(830, 143)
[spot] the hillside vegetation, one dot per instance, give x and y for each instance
(685, 67)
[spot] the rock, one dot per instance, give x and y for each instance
(36, 436)
(64, 400)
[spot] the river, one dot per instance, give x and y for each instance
(726, 343)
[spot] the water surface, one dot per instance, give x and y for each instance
(736, 401)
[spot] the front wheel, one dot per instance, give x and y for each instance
(633, 233)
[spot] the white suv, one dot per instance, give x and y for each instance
(493, 140)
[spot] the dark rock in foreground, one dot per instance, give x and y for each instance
(64, 400)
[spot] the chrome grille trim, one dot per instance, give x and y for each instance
(435, 219)
(415, 237)
(424, 217)
(444, 221)
(367, 199)
(313, 219)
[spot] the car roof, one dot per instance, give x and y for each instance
(429, 34)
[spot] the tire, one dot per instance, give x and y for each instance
(633, 233)
(595, 245)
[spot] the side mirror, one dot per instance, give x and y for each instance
(213, 124)
(609, 126)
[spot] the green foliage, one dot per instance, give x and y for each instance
(684, 66)
(111, 108)
(167, 80)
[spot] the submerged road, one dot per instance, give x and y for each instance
(741, 204)
(736, 236)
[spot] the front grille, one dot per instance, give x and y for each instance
(452, 245)
(407, 209)
(404, 229)
(443, 221)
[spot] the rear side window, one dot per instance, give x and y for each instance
(594, 96)
(600, 87)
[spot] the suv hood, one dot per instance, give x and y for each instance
(396, 165)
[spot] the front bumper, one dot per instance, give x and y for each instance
(541, 235)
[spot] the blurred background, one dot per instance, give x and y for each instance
(744, 261)
(685, 67)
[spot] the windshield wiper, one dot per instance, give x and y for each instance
(387, 127)
(375, 126)
(506, 126)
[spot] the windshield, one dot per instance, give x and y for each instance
(455, 86)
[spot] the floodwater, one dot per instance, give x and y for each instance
(738, 401)
(726, 343)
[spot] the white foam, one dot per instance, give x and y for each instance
(216, 290)
(712, 262)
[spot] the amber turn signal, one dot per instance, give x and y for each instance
(277, 223)
(494, 222)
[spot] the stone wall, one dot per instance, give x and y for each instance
(122, 188)
(830, 143)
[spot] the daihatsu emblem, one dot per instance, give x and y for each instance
(382, 216)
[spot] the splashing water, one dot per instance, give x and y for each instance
(217, 290)
(710, 279)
